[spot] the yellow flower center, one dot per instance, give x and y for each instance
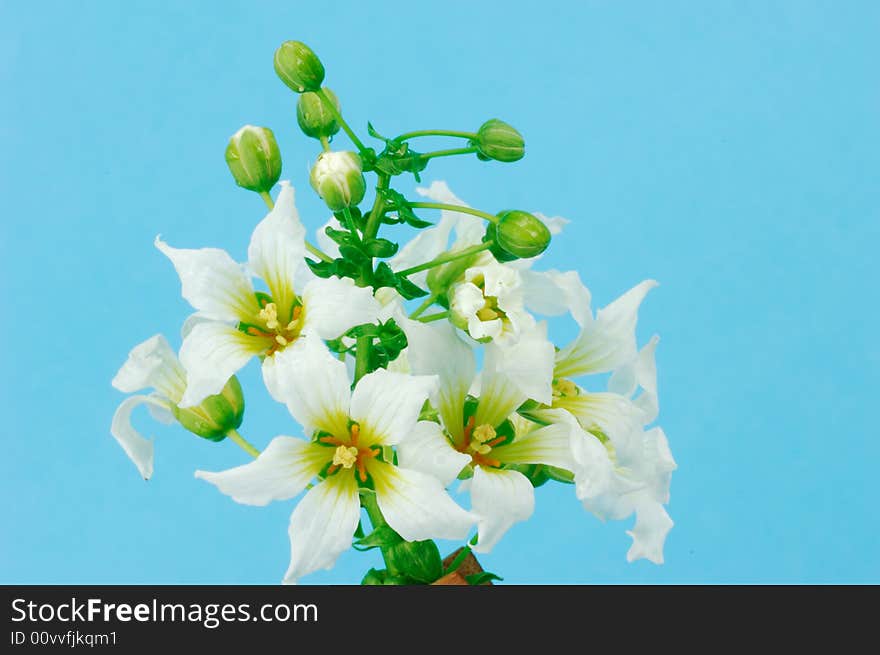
(478, 443)
(564, 388)
(278, 334)
(348, 454)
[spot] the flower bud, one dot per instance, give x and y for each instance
(337, 177)
(216, 415)
(499, 141)
(254, 159)
(521, 234)
(299, 67)
(314, 119)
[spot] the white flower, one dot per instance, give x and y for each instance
(488, 302)
(350, 432)
(242, 323)
(150, 365)
(480, 438)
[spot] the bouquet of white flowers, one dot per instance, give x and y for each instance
(409, 367)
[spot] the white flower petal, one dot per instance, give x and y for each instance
(427, 449)
(593, 467)
(469, 229)
(435, 349)
(152, 364)
(322, 525)
(499, 499)
(213, 283)
(278, 246)
(211, 354)
(312, 383)
(613, 414)
(387, 405)
(549, 445)
(138, 449)
(281, 471)
(333, 305)
(527, 364)
(607, 342)
(649, 534)
(416, 505)
(552, 293)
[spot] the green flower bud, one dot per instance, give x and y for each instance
(216, 415)
(299, 67)
(338, 178)
(254, 159)
(521, 234)
(499, 141)
(313, 116)
(496, 250)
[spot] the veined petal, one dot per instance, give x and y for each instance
(152, 364)
(499, 398)
(499, 499)
(138, 449)
(435, 349)
(281, 471)
(387, 405)
(552, 293)
(607, 342)
(277, 248)
(322, 525)
(549, 445)
(333, 305)
(211, 354)
(614, 414)
(427, 449)
(640, 372)
(593, 466)
(526, 364)
(416, 505)
(213, 283)
(313, 384)
(649, 533)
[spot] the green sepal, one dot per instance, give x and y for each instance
(418, 560)
(385, 277)
(397, 203)
(559, 475)
(458, 561)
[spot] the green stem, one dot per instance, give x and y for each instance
(448, 153)
(362, 359)
(434, 317)
(417, 133)
(369, 503)
(447, 257)
(427, 303)
(312, 249)
(349, 222)
(328, 103)
(325, 144)
(245, 445)
(372, 227)
(454, 208)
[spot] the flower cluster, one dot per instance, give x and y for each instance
(408, 369)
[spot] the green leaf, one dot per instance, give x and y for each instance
(380, 248)
(481, 578)
(382, 537)
(458, 561)
(321, 268)
(342, 237)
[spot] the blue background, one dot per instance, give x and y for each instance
(727, 149)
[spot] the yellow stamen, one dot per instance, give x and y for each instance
(487, 314)
(484, 433)
(269, 314)
(345, 456)
(281, 340)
